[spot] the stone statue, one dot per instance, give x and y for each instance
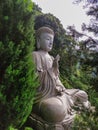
(52, 109)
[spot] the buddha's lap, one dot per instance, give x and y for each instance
(53, 109)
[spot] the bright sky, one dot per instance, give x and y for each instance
(67, 13)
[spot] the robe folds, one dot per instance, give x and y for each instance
(47, 99)
(48, 81)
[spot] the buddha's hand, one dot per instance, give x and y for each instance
(55, 62)
(59, 90)
(55, 65)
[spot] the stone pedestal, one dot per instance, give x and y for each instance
(40, 124)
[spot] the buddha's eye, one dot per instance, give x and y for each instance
(47, 39)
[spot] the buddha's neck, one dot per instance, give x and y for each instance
(44, 52)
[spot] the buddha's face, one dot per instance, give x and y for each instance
(46, 41)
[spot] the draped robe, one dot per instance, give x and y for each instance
(48, 83)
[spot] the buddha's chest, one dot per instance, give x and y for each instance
(47, 62)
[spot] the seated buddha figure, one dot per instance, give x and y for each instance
(53, 102)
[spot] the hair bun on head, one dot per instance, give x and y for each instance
(44, 30)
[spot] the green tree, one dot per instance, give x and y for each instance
(17, 71)
(89, 66)
(89, 46)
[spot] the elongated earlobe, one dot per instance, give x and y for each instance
(38, 44)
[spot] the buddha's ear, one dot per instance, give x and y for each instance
(38, 43)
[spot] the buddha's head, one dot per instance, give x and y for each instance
(45, 37)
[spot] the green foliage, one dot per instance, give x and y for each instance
(17, 71)
(28, 128)
(11, 128)
(36, 10)
(86, 120)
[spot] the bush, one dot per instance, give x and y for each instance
(17, 72)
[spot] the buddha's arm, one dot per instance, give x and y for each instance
(53, 71)
(59, 86)
(55, 65)
(39, 63)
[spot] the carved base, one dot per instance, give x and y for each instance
(39, 124)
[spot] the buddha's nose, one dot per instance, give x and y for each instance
(50, 43)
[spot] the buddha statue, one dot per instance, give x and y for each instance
(53, 103)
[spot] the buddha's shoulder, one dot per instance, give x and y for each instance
(39, 54)
(35, 53)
